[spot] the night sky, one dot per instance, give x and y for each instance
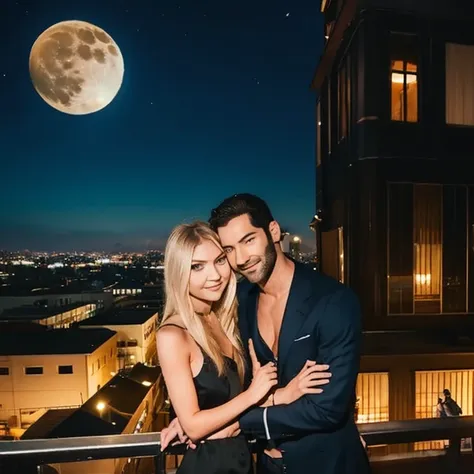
(215, 100)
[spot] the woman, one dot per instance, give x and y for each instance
(201, 355)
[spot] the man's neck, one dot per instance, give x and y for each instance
(280, 280)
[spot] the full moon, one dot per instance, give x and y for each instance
(76, 67)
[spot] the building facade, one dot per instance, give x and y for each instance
(57, 317)
(395, 197)
(47, 299)
(57, 368)
(135, 328)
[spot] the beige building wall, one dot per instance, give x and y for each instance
(24, 397)
(144, 334)
(102, 365)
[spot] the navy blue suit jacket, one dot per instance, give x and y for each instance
(322, 323)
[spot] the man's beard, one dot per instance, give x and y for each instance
(268, 261)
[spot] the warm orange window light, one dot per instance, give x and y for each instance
(404, 77)
(372, 397)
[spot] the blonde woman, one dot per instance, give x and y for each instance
(201, 355)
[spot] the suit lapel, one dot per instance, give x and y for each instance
(296, 310)
(251, 308)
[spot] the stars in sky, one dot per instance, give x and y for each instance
(208, 61)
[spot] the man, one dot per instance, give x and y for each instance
(294, 314)
(450, 405)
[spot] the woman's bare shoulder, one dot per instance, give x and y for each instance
(172, 331)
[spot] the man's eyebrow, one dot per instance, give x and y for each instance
(246, 236)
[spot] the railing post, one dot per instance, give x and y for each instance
(160, 463)
(453, 456)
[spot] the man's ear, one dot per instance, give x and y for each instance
(275, 231)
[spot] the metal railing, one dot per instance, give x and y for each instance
(28, 456)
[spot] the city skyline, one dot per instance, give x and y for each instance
(215, 100)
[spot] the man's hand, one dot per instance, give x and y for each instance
(306, 382)
(174, 430)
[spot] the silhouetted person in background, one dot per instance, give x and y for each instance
(450, 406)
(440, 411)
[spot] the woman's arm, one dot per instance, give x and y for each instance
(175, 357)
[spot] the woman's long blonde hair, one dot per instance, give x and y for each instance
(178, 261)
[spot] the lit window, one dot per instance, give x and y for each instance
(427, 224)
(427, 248)
(404, 77)
(459, 84)
(372, 397)
(429, 388)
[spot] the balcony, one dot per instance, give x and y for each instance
(32, 456)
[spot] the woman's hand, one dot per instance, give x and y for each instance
(264, 380)
(306, 382)
(253, 358)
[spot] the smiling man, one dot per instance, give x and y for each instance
(294, 314)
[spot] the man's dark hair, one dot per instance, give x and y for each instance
(238, 205)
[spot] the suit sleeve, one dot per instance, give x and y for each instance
(339, 346)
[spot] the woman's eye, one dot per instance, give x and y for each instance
(222, 260)
(196, 267)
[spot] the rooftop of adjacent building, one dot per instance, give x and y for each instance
(22, 291)
(53, 341)
(122, 317)
(105, 413)
(126, 285)
(32, 312)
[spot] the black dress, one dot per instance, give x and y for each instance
(220, 456)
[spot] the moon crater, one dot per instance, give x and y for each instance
(76, 67)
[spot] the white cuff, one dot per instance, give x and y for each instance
(265, 423)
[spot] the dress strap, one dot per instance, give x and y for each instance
(172, 324)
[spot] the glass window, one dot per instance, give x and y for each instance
(427, 248)
(400, 248)
(65, 369)
(429, 387)
(427, 235)
(455, 249)
(404, 77)
(34, 370)
(372, 397)
(459, 84)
